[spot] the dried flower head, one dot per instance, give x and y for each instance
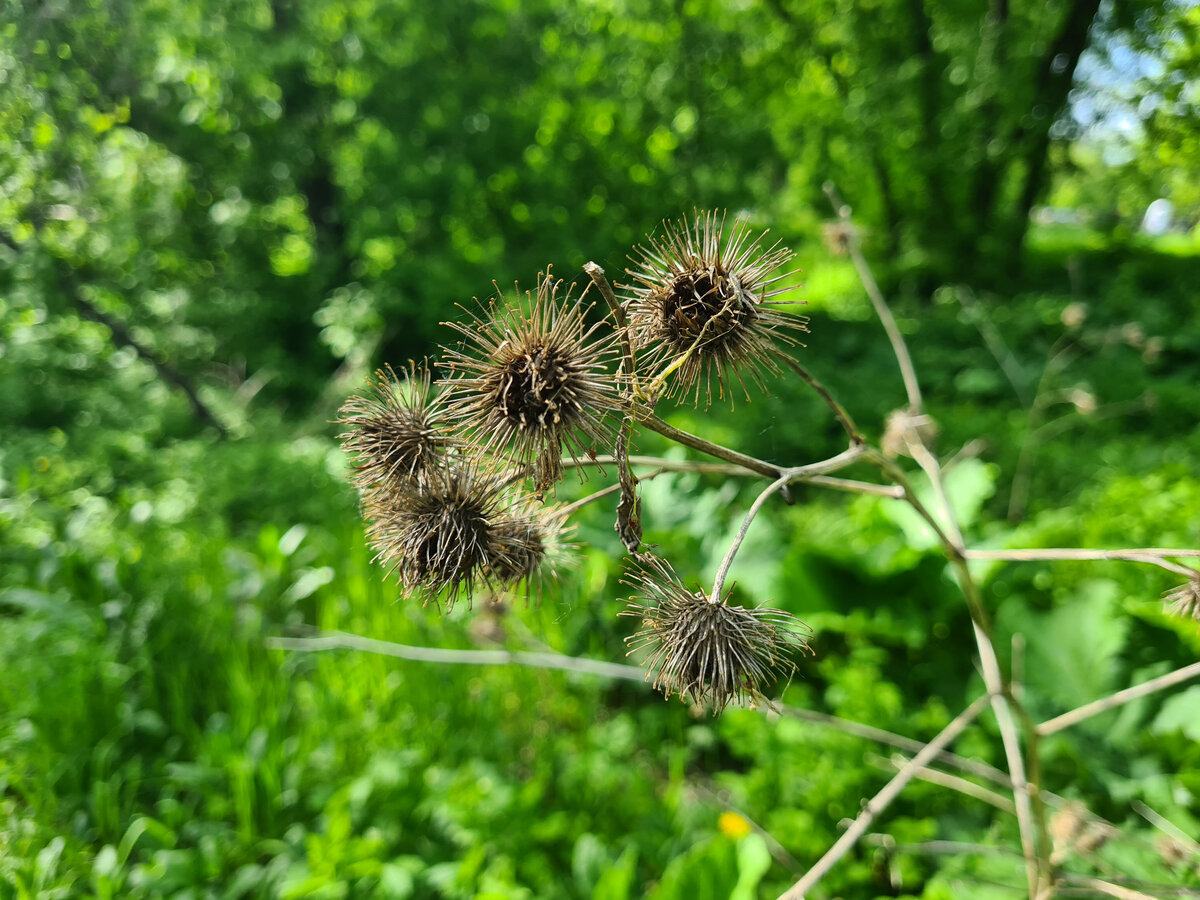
(708, 650)
(1184, 601)
(527, 546)
(535, 383)
(702, 305)
(438, 532)
(392, 427)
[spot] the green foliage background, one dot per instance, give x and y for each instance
(258, 202)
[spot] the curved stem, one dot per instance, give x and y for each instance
(849, 485)
(795, 473)
(723, 570)
(838, 410)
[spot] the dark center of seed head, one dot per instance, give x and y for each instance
(451, 546)
(532, 386)
(701, 304)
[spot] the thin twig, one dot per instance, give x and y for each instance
(899, 348)
(838, 410)
(955, 783)
(994, 680)
(1150, 555)
(848, 485)
(603, 492)
(909, 745)
(883, 799)
(929, 465)
(795, 473)
(1112, 890)
(654, 423)
(596, 273)
(1120, 698)
(1165, 825)
(340, 640)
(723, 570)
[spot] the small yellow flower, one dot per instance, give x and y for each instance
(733, 825)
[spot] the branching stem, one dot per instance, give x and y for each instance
(883, 799)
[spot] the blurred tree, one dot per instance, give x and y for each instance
(259, 192)
(937, 118)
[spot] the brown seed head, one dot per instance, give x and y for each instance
(710, 651)
(527, 546)
(534, 384)
(437, 532)
(392, 427)
(1184, 601)
(702, 303)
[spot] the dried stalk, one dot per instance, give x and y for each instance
(883, 799)
(899, 348)
(1120, 698)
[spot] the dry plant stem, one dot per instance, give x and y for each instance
(838, 410)
(723, 570)
(899, 348)
(1033, 831)
(897, 474)
(880, 801)
(792, 474)
(338, 640)
(952, 545)
(596, 273)
(1151, 555)
(933, 470)
(645, 417)
(1112, 890)
(848, 485)
(1165, 825)
(570, 508)
(953, 782)
(871, 733)
(1034, 843)
(1120, 698)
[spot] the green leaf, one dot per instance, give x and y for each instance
(1180, 713)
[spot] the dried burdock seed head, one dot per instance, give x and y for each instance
(1184, 601)
(392, 427)
(711, 651)
(527, 547)
(436, 532)
(531, 382)
(702, 305)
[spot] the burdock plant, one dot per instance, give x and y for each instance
(704, 647)
(394, 428)
(453, 478)
(454, 526)
(704, 304)
(530, 383)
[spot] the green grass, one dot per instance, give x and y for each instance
(151, 745)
